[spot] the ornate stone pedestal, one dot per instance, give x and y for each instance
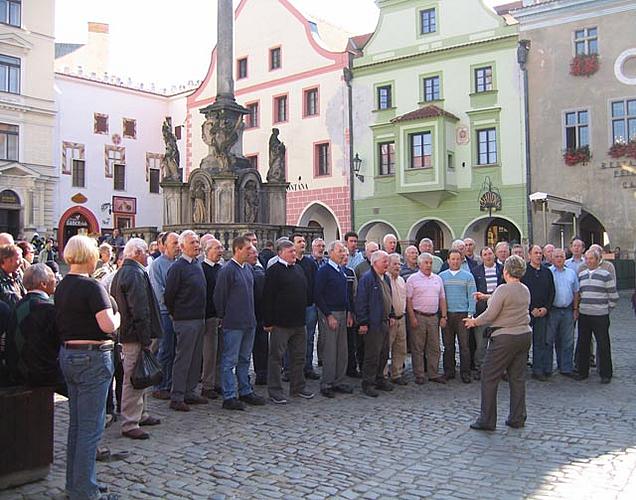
(224, 198)
(276, 200)
(172, 202)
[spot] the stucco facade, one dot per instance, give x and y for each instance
(27, 120)
(422, 168)
(309, 57)
(596, 198)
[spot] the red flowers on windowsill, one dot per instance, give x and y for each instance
(574, 156)
(623, 150)
(584, 65)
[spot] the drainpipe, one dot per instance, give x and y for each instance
(348, 77)
(523, 49)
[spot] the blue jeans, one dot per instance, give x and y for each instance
(311, 320)
(237, 351)
(561, 331)
(165, 356)
(88, 375)
(541, 346)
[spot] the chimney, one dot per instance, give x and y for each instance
(97, 47)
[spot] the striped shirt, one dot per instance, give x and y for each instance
(598, 292)
(491, 278)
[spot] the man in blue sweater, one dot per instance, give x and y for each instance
(234, 301)
(459, 287)
(158, 272)
(332, 298)
(184, 297)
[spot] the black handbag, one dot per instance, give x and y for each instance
(147, 371)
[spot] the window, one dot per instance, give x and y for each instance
(71, 151)
(9, 74)
(322, 161)
(177, 132)
(100, 123)
(428, 21)
(431, 89)
(421, 145)
(119, 178)
(450, 161)
(280, 109)
(113, 155)
(487, 146)
(386, 154)
(251, 119)
(586, 41)
(274, 58)
(576, 129)
(253, 159)
(78, 179)
(8, 142)
(384, 97)
(154, 180)
(130, 128)
(623, 121)
(483, 79)
(10, 12)
(311, 105)
(241, 68)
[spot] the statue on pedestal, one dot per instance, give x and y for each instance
(198, 204)
(251, 203)
(220, 132)
(170, 161)
(276, 172)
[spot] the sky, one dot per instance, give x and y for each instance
(152, 41)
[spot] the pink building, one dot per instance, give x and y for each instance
(290, 74)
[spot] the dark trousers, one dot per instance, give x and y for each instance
(356, 350)
(455, 327)
(118, 377)
(505, 353)
(599, 327)
(376, 354)
(541, 347)
(294, 341)
(260, 352)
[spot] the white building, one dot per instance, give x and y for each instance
(27, 118)
(290, 74)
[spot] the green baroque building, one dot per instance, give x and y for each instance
(439, 125)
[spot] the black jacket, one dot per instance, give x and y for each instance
(479, 273)
(137, 304)
(285, 296)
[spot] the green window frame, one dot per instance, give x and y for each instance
(420, 150)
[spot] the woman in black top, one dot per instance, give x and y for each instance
(85, 319)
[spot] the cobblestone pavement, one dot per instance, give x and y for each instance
(579, 442)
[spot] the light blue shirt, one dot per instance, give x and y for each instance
(355, 259)
(574, 264)
(566, 284)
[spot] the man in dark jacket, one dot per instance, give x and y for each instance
(11, 287)
(33, 342)
(185, 298)
(284, 303)
(374, 314)
(140, 323)
(260, 351)
(488, 276)
(212, 251)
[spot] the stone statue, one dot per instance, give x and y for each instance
(170, 161)
(276, 172)
(251, 202)
(198, 208)
(220, 132)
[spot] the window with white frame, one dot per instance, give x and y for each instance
(586, 41)
(10, 12)
(78, 175)
(384, 97)
(577, 129)
(483, 79)
(386, 155)
(487, 146)
(9, 135)
(623, 121)
(428, 21)
(9, 74)
(251, 119)
(432, 89)
(421, 146)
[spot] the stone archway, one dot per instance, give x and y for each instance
(592, 231)
(376, 230)
(436, 229)
(10, 212)
(75, 220)
(320, 215)
(488, 231)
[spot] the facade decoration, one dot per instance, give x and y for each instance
(170, 161)
(277, 149)
(623, 149)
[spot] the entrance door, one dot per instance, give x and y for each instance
(10, 212)
(501, 230)
(75, 224)
(433, 231)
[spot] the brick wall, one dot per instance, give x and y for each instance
(336, 198)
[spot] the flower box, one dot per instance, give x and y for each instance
(584, 65)
(574, 156)
(623, 150)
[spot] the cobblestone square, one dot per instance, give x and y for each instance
(578, 442)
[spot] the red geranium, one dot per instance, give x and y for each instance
(623, 150)
(574, 156)
(584, 65)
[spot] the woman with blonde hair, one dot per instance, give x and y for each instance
(86, 320)
(508, 346)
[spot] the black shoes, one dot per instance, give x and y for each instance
(233, 404)
(328, 393)
(606, 380)
(384, 385)
(399, 381)
(311, 375)
(515, 425)
(540, 377)
(278, 400)
(253, 399)
(478, 426)
(344, 389)
(579, 377)
(370, 391)
(466, 378)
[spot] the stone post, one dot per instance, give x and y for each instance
(276, 196)
(225, 198)
(172, 203)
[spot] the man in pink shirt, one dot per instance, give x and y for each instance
(425, 299)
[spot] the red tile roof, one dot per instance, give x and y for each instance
(430, 111)
(360, 41)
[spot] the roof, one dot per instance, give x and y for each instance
(430, 111)
(507, 7)
(62, 49)
(359, 41)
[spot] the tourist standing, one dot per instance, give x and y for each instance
(355, 255)
(397, 329)
(577, 247)
(260, 351)
(426, 246)
(11, 287)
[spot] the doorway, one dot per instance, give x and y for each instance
(10, 211)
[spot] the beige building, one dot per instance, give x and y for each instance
(582, 113)
(27, 117)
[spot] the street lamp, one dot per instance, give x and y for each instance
(357, 165)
